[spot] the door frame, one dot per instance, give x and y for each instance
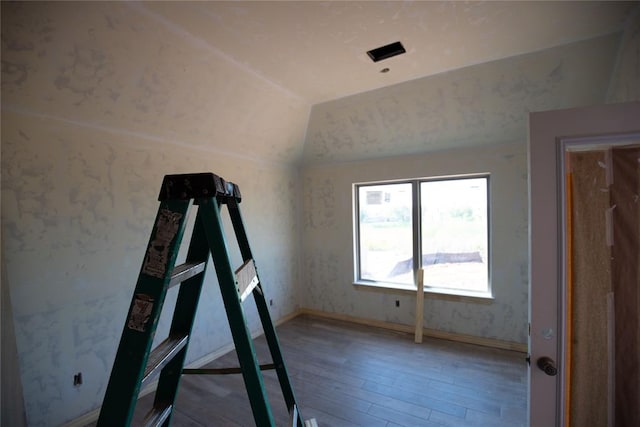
(547, 130)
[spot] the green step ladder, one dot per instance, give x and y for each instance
(136, 365)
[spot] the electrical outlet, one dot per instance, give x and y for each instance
(77, 379)
(397, 303)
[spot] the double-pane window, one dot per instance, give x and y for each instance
(439, 225)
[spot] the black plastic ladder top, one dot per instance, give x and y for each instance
(198, 185)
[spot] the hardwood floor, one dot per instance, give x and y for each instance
(351, 375)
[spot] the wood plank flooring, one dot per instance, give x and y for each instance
(348, 375)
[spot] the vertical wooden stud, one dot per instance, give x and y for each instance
(419, 306)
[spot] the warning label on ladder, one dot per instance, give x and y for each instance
(155, 261)
(140, 312)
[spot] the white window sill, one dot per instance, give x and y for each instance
(438, 293)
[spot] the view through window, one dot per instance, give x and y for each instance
(440, 225)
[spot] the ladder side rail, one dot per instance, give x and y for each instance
(144, 312)
(263, 311)
(183, 319)
(241, 336)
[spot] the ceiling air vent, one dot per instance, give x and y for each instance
(384, 52)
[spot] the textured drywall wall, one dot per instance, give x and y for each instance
(328, 241)
(78, 207)
(625, 81)
(116, 64)
(99, 101)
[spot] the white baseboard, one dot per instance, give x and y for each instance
(85, 419)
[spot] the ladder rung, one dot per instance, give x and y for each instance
(157, 416)
(161, 355)
(223, 371)
(186, 271)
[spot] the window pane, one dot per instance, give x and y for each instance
(386, 233)
(455, 234)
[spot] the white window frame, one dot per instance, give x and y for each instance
(417, 246)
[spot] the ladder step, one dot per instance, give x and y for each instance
(186, 271)
(157, 416)
(161, 355)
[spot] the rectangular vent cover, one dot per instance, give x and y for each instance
(385, 52)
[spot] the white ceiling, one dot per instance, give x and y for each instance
(317, 50)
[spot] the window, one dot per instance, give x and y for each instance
(440, 225)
